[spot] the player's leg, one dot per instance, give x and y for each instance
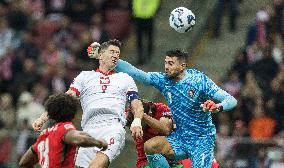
(155, 148)
(158, 147)
(100, 161)
(93, 157)
(202, 152)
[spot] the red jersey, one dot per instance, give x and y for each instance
(148, 133)
(51, 150)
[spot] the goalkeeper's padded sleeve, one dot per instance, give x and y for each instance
(135, 73)
(227, 101)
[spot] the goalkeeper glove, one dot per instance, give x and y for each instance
(210, 106)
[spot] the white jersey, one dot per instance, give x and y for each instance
(102, 96)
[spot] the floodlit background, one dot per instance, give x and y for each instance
(237, 43)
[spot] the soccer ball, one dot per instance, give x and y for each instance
(182, 19)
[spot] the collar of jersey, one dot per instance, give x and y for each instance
(106, 74)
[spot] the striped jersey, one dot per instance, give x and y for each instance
(99, 91)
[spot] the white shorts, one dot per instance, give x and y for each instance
(113, 132)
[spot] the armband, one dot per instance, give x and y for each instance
(132, 95)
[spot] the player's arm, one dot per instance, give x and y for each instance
(80, 138)
(39, 122)
(224, 101)
(135, 73)
(227, 102)
(28, 160)
(164, 126)
(137, 110)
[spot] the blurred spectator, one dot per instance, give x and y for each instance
(80, 11)
(40, 92)
(29, 75)
(6, 36)
(27, 47)
(279, 14)
(98, 29)
(233, 84)
(28, 109)
(7, 111)
(144, 13)
(224, 144)
(250, 91)
(276, 101)
(26, 138)
(261, 127)
(58, 82)
(259, 29)
(240, 63)
(17, 16)
(5, 145)
(219, 11)
(55, 7)
(117, 14)
(265, 70)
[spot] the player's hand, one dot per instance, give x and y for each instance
(210, 106)
(137, 132)
(93, 50)
(103, 144)
(38, 123)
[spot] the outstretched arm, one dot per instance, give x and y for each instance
(135, 73)
(80, 138)
(39, 122)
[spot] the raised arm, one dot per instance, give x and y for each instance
(39, 122)
(135, 73)
(80, 138)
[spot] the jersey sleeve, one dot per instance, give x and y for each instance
(209, 88)
(164, 110)
(131, 84)
(64, 128)
(76, 85)
(157, 79)
(135, 73)
(213, 91)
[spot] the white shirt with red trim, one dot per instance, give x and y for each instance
(102, 96)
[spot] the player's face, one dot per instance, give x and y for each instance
(110, 56)
(173, 67)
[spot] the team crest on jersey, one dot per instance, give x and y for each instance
(191, 92)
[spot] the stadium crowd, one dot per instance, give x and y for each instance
(256, 79)
(43, 47)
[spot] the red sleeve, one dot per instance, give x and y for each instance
(64, 128)
(164, 110)
(39, 139)
(75, 90)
